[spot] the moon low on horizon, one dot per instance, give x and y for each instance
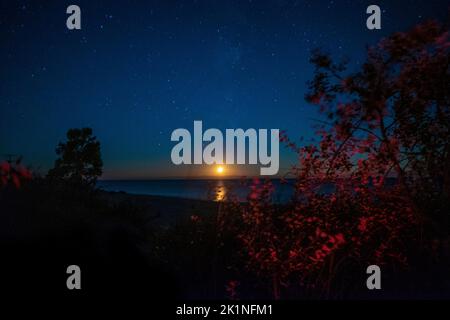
(220, 170)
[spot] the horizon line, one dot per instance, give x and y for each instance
(193, 178)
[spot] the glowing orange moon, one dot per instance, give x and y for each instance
(220, 169)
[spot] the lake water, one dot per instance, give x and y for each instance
(194, 189)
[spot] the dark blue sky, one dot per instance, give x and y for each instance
(140, 69)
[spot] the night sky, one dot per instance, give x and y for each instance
(137, 70)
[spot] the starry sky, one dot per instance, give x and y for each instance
(137, 70)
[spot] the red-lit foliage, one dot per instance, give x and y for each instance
(231, 289)
(376, 184)
(13, 173)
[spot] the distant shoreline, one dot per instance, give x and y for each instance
(197, 189)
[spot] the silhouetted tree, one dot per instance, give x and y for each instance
(79, 158)
(393, 115)
(389, 121)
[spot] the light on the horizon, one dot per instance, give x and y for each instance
(220, 169)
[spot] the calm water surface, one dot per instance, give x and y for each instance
(194, 189)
